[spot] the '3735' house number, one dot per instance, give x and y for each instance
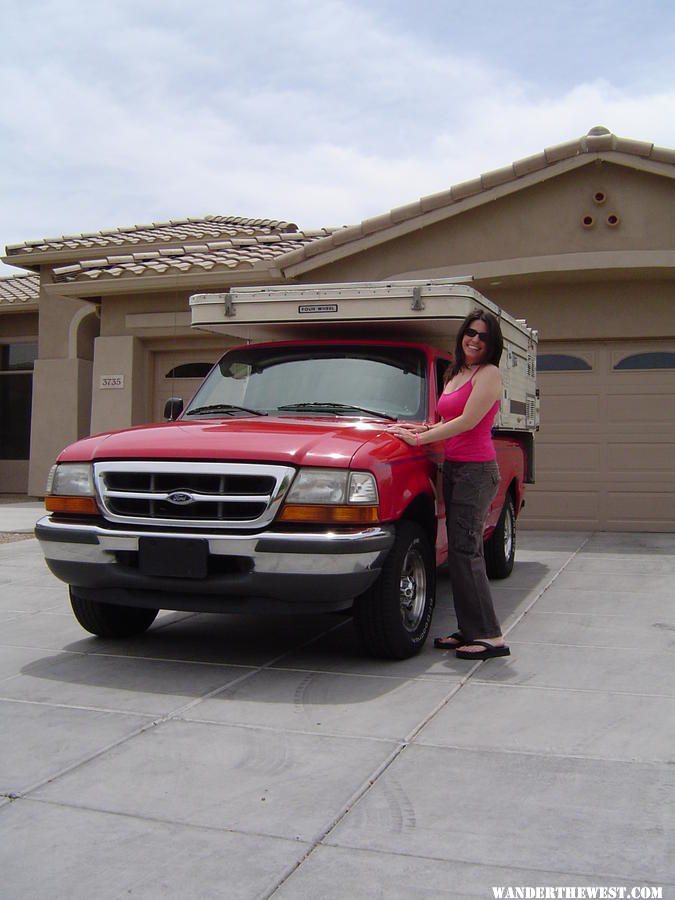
(112, 381)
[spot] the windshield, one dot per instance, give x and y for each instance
(382, 382)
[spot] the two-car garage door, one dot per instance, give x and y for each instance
(604, 453)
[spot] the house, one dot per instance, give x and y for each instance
(577, 239)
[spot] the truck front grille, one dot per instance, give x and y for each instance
(191, 493)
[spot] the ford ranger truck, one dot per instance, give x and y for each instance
(278, 488)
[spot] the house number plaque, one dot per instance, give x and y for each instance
(111, 381)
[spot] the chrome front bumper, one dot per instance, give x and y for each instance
(308, 570)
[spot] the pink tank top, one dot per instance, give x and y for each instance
(476, 444)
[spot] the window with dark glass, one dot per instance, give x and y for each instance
(653, 360)
(561, 362)
(16, 396)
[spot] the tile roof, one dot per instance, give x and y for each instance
(598, 140)
(175, 231)
(256, 251)
(19, 291)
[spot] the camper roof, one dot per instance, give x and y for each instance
(420, 310)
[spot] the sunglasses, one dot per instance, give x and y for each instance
(481, 335)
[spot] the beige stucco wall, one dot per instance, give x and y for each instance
(62, 379)
(116, 308)
(593, 310)
(61, 402)
(56, 316)
(18, 325)
(122, 356)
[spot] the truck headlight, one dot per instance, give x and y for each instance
(318, 486)
(71, 478)
(332, 496)
(70, 489)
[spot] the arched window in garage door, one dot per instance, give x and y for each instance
(652, 360)
(190, 370)
(561, 362)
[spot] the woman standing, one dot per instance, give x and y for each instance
(468, 406)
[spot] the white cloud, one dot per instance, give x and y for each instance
(316, 112)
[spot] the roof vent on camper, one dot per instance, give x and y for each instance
(597, 130)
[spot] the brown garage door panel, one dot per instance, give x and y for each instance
(653, 408)
(628, 511)
(571, 408)
(567, 456)
(639, 510)
(640, 458)
(561, 509)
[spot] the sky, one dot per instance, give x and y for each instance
(318, 112)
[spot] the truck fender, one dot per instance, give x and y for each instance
(411, 492)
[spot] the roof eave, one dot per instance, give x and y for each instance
(33, 266)
(22, 307)
(100, 287)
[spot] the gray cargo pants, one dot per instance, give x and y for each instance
(468, 489)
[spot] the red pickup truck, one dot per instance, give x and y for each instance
(278, 488)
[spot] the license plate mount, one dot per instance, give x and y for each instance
(173, 557)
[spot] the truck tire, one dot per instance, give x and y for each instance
(392, 618)
(111, 621)
(500, 548)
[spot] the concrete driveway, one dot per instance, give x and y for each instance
(239, 757)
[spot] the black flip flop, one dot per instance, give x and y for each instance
(489, 653)
(439, 643)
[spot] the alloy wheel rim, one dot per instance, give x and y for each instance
(508, 535)
(413, 589)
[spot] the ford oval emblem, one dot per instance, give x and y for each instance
(180, 498)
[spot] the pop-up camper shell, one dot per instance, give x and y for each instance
(427, 311)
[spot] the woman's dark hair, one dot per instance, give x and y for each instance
(495, 341)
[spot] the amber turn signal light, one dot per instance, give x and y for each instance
(333, 515)
(80, 506)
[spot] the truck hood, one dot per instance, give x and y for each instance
(298, 441)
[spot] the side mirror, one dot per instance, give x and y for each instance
(173, 408)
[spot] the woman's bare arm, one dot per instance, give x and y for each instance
(487, 388)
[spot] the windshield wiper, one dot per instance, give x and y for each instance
(328, 404)
(228, 408)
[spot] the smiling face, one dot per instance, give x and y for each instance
(475, 349)
(470, 348)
